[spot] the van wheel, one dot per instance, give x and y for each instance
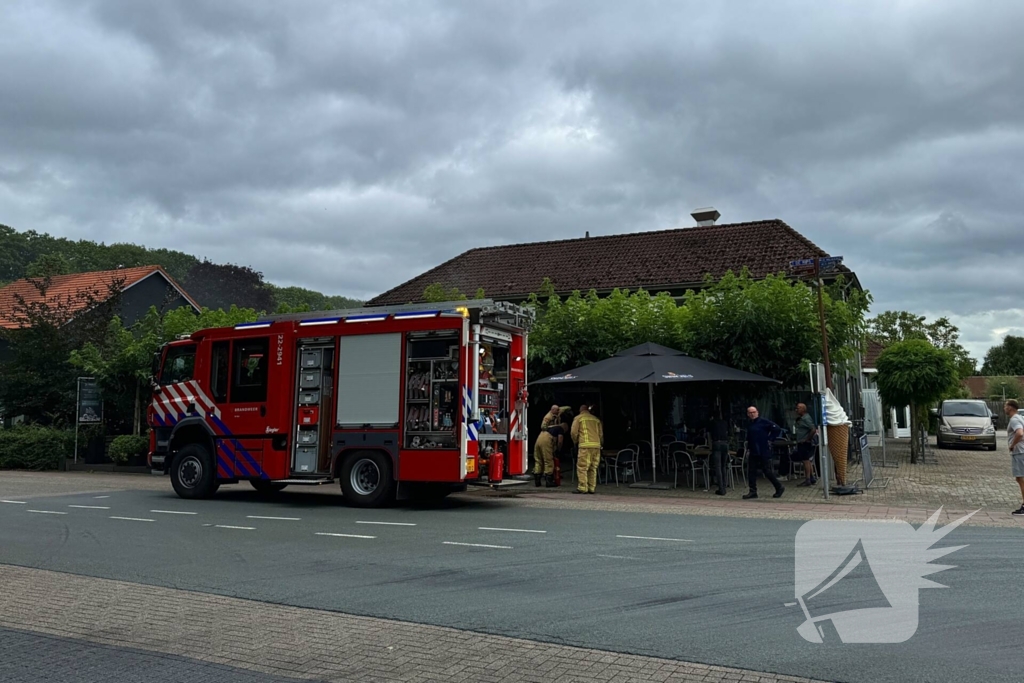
(193, 474)
(264, 486)
(366, 479)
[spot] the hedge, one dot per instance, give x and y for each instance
(124, 447)
(34, 448)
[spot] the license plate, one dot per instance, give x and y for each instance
(968, 438)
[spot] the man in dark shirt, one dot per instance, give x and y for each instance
(760, 435)
(720, 449)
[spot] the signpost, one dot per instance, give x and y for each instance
(815, 267)
(817, 372)
(89, 406)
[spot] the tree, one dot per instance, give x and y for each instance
(915, 373)
(767, 326)
(222, 286)
(770, 326)
(998, 388)
(894, 326)
(295, 298)
(436, 293)
(1005, 359)
(48, 265)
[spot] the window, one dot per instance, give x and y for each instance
(249, 379)
(219, 371)
(178, 364)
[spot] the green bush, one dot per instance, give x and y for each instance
(124, 447)
(34, 448)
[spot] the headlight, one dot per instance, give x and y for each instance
(944, 428)
(990, 430)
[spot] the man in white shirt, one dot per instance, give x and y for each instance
(1015, 440)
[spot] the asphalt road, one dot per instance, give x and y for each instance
(706, 589)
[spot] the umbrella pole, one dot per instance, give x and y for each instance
(654, 454)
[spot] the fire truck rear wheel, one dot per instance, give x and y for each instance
(263, 486)
(192, 472)
(366, 479)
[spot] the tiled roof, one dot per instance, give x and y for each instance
(666, 259)
(871, 353)
(66, 287)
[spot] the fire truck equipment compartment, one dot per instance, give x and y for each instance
(310, 397)
(309, 379)
(309, 415)
(305, 460)
(307, 436)
(311, 359)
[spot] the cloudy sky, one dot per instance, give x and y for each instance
(347, 146)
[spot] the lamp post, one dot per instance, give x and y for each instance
(1004, 392)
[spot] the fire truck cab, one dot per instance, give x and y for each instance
(404, 401)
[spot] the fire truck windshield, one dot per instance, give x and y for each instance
(178, 364)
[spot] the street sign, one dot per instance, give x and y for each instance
(829, 264)
(802, 263)
(90, 404)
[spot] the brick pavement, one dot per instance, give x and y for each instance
(304, 643)
(27, 657)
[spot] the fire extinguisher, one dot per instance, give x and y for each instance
(495, 467)
(558, 471)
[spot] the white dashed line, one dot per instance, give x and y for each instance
(241, 528)
(14, 502)
(47, 512)
(619, 557)
(520, 531)
(479, 545)
(133, 519)
(651, 538)
(324, 533)
(89, 507)
(173, 512)
(282, 519)
(388, 523)
(101, 497)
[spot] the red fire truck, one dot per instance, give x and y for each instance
(401, 401)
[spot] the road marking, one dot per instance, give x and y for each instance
(324, 533)
(479, 545)
(89, 507)
(99, 497)
(652, 538)
(789, 604)
(241, 528)
(173, 512)
(389, 523)
(14, 502)
(283, 519)
(619, 557)
(47, 512)
(134, 519)
(521, 531)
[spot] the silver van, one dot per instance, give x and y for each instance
(965, 423)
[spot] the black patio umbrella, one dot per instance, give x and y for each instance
(652, 364)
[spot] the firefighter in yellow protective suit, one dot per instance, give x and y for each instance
(549, 443)
(588, 434)
(551, 417)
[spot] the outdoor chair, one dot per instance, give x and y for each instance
(625, 461)
(681, 458)
(738, 462)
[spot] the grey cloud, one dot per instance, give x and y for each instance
(348, 146)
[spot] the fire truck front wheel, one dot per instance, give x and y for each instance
(366, 479)
(192, 472)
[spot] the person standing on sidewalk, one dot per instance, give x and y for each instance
(760, 435)
(720, 449)
(588, 433)
(1015, 440)
(805, 433)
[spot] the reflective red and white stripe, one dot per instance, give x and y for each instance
(175, 400)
